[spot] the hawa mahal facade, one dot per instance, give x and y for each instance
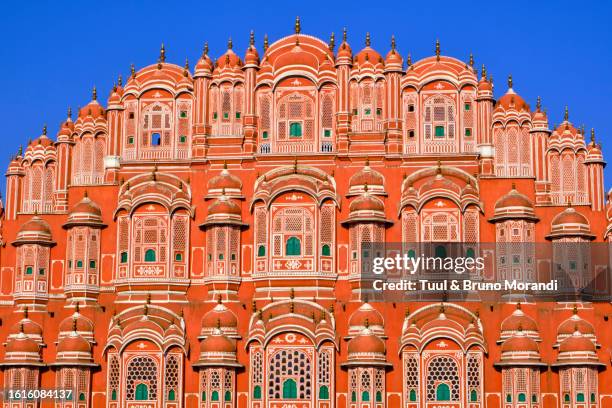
(198, 241)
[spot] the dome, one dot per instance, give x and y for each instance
(220, 316)
(484, 85)
(251, 57)
(224, 180)
(393, 58)
(576, 343)
(298, 56)
(519, 343)
(511, 100)
(76, 322)
(367, 202)
(223, 206)
(36, 231)
(229, 59)
(366, 342)
(22, 344)
(570, 222)
(217, 343)
(573, 324)
(366, 315)
(93, 109)
(204, 65)
(368, 54)
(366, 177)
(73, 344)
(344, 51)
(514, 205)
(28, 327)
(85, 212)
(518, 321)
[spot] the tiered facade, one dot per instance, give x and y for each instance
(198, 242)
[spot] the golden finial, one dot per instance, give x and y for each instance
(69, 113)
(206, 48)
(365, 189)
(437, 50)
(265, 42)
(292, 293)
(252, 39)
(510, 82)
(593, 135)
(44, 131)
(513, 186)
(575, 309)
(20, 151)
(471, 60)
(483, 74)
(230, 43)
(21, 327)
(254, 306)
(162, 53)
(186, 68)
(366, 323)
(291, 307)
(518, 306)
(566, 114)
(77, 307)
(332, 42)
(148, 298)
(393, 43)
(520, 327)
(145, 311)
(218, 323)
(538, 103)
(219, 299)
(25, 312)
(94, 94)
(120, 80)
(74, 324)
(367, 40)
(344, 34)
(298, 26)
(409, 60)
(295, 164)
(442, 308)
(439, 167)
(132, 70)
(85, 195)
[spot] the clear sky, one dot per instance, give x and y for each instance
(53, 52)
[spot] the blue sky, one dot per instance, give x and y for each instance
(54, 52)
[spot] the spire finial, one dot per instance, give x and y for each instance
(298, 25)
(566, 114)
(344, 34)
(20, 151)
(437, 50)
(252, 39)
(593, 135)
(471, 60)
(575, 309)
(368, 39)
(218, 323)
(69, 112)
(162, 53)
(510, 82)
(74, 324)
(230, 44)
(539, 103)
(332, 42)
(518, 306)
(219, 299)
(132, 70)
(44, 131)
(513, 186)
(366, 323)
(25, 312)
(292, 293)
(365, 190)
(186, 65)
(94, 94)
(265, 42)
(393, 42)
(409, 60)
(483, 74)
(206, 48)
(120, 80)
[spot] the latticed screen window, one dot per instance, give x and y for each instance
(295, 129)
(141, 379)
(150, 238)
(157, 124)
(257, 372)
(290, 375)
(293, 232)
(474, 369)
(442, 379)
(113, 377)
(440, 226)
(411, 376)
(295, 117)
(439, 117)
(172, 378)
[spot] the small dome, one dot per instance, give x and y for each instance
(366, 342)
(76, 322)
(519, 343)
(573, 324)
(394, 59)
(85, 212)
(344, 51)
(217, 343)
(368, 55)
(570, 216)
(484, 85)
(366, 177)
(224, 180)
(570, 223)
(220, 316)
(514, 199)
(22, 344)
(36, 230)
(367, 202)
(514, 205)
(511, 100)
(73, 344)
(519, 321)
(576, 343)
(224, 206)
(92, 110)
(229, 59)
(366, 315)
(251, 57)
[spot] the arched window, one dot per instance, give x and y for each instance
(580, 397)
(522, 397)
(81, 397)
(155, 139)
(261, 250)
(228, 396)
(365, 396)
(473, 396)
(412, 396)
(353, 396)
(203, 396)
(215, 396)
(293, 247)
(142, 392)
(257, 392)
(114, 395)
(325, 250)
(566, 398)
(295, 129)
(439, 119)
(378, 396)
(150, 255)
(289, 389)
(324, 392)
(442, 392)
(124, 257)
(440, 251)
